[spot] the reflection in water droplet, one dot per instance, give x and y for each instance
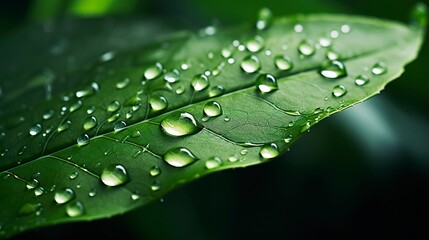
(135, 196)
(89, 123)
(200, 82)
(73, 175)
(212, 109)
(155, 171)
(123, 84)
(64, 196)
(180, 90)
(339, 91)
(114, 175)
(153, 72)
(158, 103)
(216, 91)
(213, 163)
(266, 83)
(283, 62)
(75, 209)
(113, 106)
(180, 124)
(306, 47)
(255, 44)
(345, 28)
(114, 117)
(361, 80)
(332, 69)
(270, 150)
(36, 129)
(172, 76)
(119, 125)
(82, 140)
(179, 157)
(379, 68)
(250, 64)
(156, 185)
(38, 191)
(92, 192)
(64, 126)
(33, 183)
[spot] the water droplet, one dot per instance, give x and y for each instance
(283, 62)
(306, 127)
(114, 175)
(200, 82)
(226, 53)
(113, 106)
(82, 140)
(226, 119)
(334, 34)
(298, 28)
(243, 152)
(64, 195)
(135, 134)
(212, 109)
(325, 42)
(89, 123)
(233, 158)
(288, 139)
(266, 83)
(64, 126)
(213, 163)
(75, 209)
(48, 115)
(114, 117)
(156, 185)
(135, 196)
(264, 18)
(155, 171)
(332, 69)
(339, 91)
(36, 129)
(158, 103)
(179, 157)
(107, 56)
(172, 76)
(361, 80)
(39, 191)
(123, 84)
(33, 183)
(255, 44)
(119, 125)
(345, 28)
(73, 175)
(92, 192)
(306, 47)
(250, 64)
(76, 106)
(180, 90)
(22, 150)
(231, 60)
(153, 72)
(90, 110)
(270, 150)
(379, 68)
(180, 124)
(216, 91)
(331, 54)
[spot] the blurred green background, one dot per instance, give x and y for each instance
(361, 173)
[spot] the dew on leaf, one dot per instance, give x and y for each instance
(213, 163)
(361, 80)
(200, 82)
(332, 69)
(114, 175)
(266, 83)
(90, 123)
(155, 171)
(73, 175)
(75, 209)
(250, 64)
(64, 195)
(39, 191)
(179, 157)
(113, 106)
(298, 28)
(64, 126)
(264, 18)
(216, 91)
(212, 109)
(180, 124)
(255, 44)
(156, 185)
(339, 91)
(306, 47)
(153, 72)
(119, 125)
(270, 150)
(33, 183)
(76, 106)
(172, 76)
(283, 62)
(123, 84)
(48, 115)
(36, 129)
(379, 68)
(82, 140)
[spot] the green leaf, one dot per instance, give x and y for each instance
(122, 130)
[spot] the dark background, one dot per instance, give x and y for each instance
(362, 173)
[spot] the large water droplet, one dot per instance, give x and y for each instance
(250, 64)
(379, 68)
(153, 72)
(64, 196)
(212, 109)
(172, 76)
(114, 175)
(264, 18)
(339, 91)
(255, 44)
(306, 47)
(123, 84)
(155, 171)
(266, 83)
(332, 69)
(36, 129)
(180, 124)
(89, 123)
(200, 82)
(283, 62)
(213, 163)
(361, 80)
(270, 150)
(179, 157)
(113, 106)
(82, 140)
(75, 209)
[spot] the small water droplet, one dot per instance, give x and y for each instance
(82, 140)
(180, 124)
(283, 62)
(331, 54)
(90, 110)
(226, 53)
(226, 119)
(288, 139)
(39, 191)
(179, 157)
(155, 171)
(123, 84)
(332, 69)
(255, 44)
(270, 150)
(135, 196)
(200, 82)
(180, 90)
(213, 163)
(212, 109)
(73, 175)
(158, 103)
(216, 91)
(156, 185)
(135, 134)
(306, 127)
(264, 18)
(113, 106)
(36, 129)
(250, 64)
(172, 76)
(298, 28)
(339, 91)
(89, 123)
(325, 42)
(75, 209)
(266, 83)
(76, 106)
(114, 117)
(33, 183)
(243, 152)
(153, 72)
(306, 47)
(345, 28)
(361, 80)
(64, 196)
(231, 60)
(48, 115)
(22, 150)
(92, 192)
(114, 175)
(334, 34)
(379, 68)
(232, 158)
(107, 56)
(64, 126)
(119, 125)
